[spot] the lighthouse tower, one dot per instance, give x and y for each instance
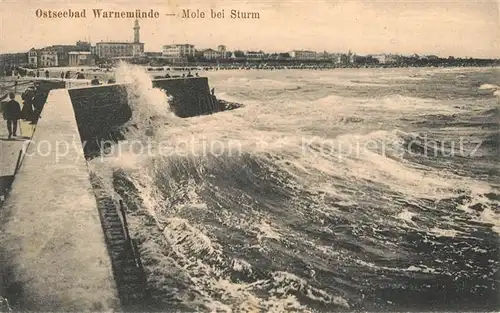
(136, 32)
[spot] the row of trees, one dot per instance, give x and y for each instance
(360, 63)
(448, 62)
(239, 57)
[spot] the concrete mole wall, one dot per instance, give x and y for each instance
(53, 253)
(99, 110)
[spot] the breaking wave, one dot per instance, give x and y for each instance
(304, 222)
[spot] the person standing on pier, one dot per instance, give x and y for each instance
(12, 113)
(38, 103)
(27, 111)
(95, 81)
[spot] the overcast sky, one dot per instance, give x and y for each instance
(447, 27)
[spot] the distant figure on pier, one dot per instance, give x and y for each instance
(197, 75)
(167, 76)
(111, 81)
(183, 75)
(80, 76)
(23, 72)
(12, 113)
(68, 74)
(37, 73)
(95, 81)
(62, 75)
(38, 103)
(189, 74)
(27, 113)
(46, 73)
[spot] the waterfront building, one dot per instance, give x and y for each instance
(352, 57)
(48, 58)
(385, 58)
(392, 58)
(211, 54)
(33, 57)
(178, 52)
(322, 56)
(381, 58)
(77, 58)
(254, 55)
(62, 53)
(334, 57)
(82, 46)
(113, 49)
(341, 58)
(303, 55)
(222, 51)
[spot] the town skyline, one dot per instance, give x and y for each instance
(454, 28)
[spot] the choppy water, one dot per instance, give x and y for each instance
(356, 189)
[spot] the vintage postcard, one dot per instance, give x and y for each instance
(256, 156)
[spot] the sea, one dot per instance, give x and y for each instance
(328, 191)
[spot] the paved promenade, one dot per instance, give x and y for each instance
(9, 149)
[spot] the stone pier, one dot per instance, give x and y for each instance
(52, 251)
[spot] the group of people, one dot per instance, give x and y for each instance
(33, 101)
(183, 75)
(46, 73)
(94, 82)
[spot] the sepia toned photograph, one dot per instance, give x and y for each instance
(259, 156)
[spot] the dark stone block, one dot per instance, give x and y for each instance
(100, 110)
(191, 96)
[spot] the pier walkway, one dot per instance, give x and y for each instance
(53, 251)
